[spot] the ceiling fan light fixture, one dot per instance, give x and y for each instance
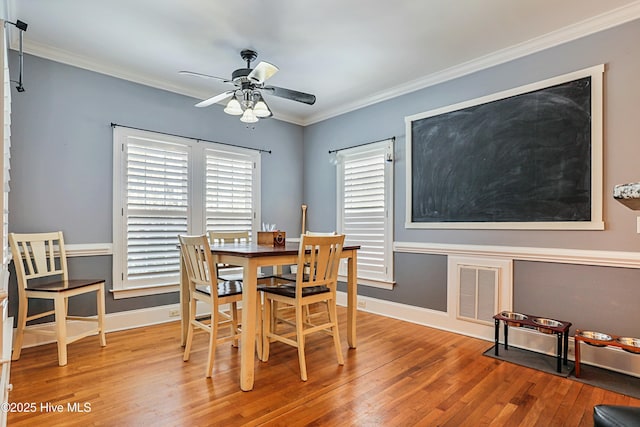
(233, 107)
(246, 98)
(248, 116)
(261, 110)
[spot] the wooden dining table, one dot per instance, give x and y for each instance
(251, 256)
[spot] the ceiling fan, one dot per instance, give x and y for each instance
(246, 97)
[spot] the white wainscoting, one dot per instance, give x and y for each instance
(608, 357)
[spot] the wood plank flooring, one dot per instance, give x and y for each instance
(401, 374)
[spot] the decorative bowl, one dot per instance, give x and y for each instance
(549, 323)
(631, 342)
(597, 336)
(513, 318)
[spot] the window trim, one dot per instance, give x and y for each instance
(196, 211)
(385, 147)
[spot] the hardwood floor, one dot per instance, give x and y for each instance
(401, 374)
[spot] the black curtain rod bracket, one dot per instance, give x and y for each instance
(22, 26)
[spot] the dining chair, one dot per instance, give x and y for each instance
(291, 277)
(226, 271)
(322, 255)
(41, 269)
(204, 286)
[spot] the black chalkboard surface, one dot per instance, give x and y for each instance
(524, 158)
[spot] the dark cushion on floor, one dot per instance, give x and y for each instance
(290, 291)
(616, 416)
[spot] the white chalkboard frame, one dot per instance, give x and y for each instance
(596, 218)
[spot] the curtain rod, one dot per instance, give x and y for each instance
(393, 138)
(261, 150)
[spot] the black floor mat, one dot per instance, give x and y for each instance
(592, 375)
(531, 359)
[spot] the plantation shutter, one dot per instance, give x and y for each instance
(156, 210)
(230, 191)
(364, 216)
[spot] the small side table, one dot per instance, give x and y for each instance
(541, 324)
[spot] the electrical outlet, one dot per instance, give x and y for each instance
(174, 313)
(362, 304)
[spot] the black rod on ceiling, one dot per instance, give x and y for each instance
(260, 150)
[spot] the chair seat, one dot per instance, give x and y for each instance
(62, 285)
(225, 289)
(290, 291)
(616, 416)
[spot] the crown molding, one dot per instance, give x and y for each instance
(91, 64)
(581, 29)
(602, 22)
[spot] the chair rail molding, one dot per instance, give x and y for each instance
(555, 255)
(89, 249)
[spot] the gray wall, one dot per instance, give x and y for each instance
(421, 279)
(61, 156)
(62, 172)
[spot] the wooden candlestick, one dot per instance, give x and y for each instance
(304, 218)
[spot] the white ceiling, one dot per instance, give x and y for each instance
(349, 53)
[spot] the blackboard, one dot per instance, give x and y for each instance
(524, 158)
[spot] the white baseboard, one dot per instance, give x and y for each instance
(113, 322)
(611, 358)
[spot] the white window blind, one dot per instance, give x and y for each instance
(156, 210)
(229, 189)
(5, 166)
(165, 186)
(365, 186)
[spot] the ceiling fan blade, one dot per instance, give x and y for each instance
(215, 99)
(204, 76)
(294, 95)
(262, 72)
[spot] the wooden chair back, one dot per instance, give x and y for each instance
(321, 255)
(38, 255)
(228, 236)
(198, 262)
(320, 233)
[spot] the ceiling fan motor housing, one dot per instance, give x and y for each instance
(240, 74)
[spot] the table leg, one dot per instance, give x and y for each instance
(559, 351)
(352, 298)
(577, 344)
(506, 336)
(496, 336)
(566, 347)
(248, 335)
(184, 303)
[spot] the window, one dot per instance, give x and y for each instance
(365, 209)
(165, 186)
